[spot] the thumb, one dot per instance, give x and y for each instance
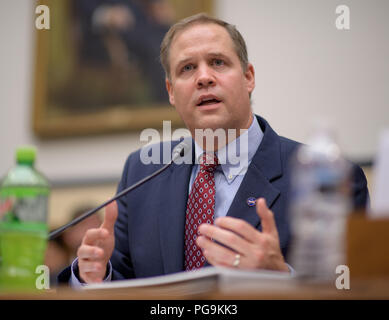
(110, 215)
(267, 217)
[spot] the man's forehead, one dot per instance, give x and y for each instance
(197, 29)
(187, 37)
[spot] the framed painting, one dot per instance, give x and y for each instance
(97, 68)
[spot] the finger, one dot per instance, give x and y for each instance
(110, 216)
(90, 266)
(214, 253)
(225, 237)
(89, 252)
(94, 236)
(91, 277)
(91, 271)
(238, 226)
(267, 217)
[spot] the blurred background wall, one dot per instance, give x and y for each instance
(305, 68)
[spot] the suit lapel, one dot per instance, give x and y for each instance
(264, 168)
(254, 185)
(172, 216)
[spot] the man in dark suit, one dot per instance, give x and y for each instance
(148, 232)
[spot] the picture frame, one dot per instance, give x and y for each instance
(89, 81)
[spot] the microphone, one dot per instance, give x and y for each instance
(178, 151)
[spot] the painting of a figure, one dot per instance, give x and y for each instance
(98, 66)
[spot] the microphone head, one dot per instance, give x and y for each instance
(180, 149)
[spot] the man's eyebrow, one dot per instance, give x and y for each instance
(217, 55)
(209, 55)
(183, 61)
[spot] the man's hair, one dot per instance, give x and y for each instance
(202, 18)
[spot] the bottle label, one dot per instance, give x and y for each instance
(5, 207)
(24, 209)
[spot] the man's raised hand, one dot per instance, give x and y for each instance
(97, 247)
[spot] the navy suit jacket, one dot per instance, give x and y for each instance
(149, 232)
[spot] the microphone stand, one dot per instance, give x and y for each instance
(179, 151)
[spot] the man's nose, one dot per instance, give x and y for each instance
(205, 77)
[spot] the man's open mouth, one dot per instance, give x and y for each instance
(208, 101)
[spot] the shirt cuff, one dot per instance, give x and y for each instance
(291, 270)
(75, 280)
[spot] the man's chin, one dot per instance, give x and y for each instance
(212, 122)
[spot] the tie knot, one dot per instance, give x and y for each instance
(208, 162)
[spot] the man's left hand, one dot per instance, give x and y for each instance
(248, 248)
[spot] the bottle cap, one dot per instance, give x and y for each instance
(26, 154)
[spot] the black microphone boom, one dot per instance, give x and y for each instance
(178, 151)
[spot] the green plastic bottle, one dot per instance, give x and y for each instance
(23, 222)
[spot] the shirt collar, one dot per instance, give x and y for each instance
(237, 155)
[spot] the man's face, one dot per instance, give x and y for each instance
(208, 86)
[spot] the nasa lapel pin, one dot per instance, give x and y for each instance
(251, 201)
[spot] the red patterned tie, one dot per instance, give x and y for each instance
(200, 208)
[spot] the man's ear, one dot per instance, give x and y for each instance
(250, 77)
(169, 89)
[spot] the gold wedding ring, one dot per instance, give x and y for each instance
(236, 261)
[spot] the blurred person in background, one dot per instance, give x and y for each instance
(62, 250)
(57, 257)
(72, 237)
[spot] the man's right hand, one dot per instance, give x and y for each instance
(97, 247)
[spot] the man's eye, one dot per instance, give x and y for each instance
(187, 68)
(218, 62)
